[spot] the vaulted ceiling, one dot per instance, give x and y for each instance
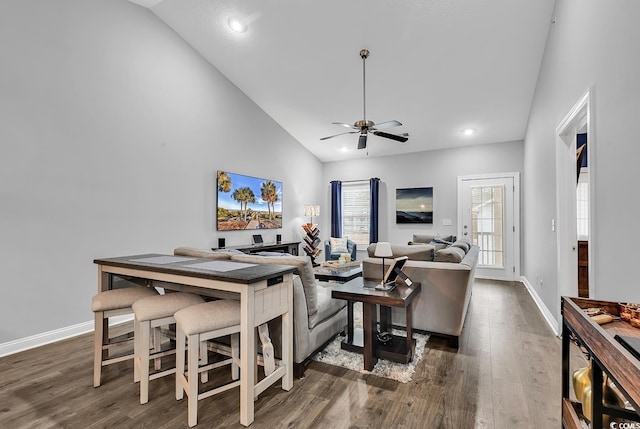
(437, 66)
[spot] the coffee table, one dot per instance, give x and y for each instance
(337, 273)
(399, 349)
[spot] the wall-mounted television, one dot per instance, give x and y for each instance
(246, 202)
(414, 205)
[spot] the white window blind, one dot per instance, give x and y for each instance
(355, 212)
(582, 204)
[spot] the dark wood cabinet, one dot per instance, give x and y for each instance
(290, 247)
(607, 355)
(583, 269)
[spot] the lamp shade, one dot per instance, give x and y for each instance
(311, 210)
(383, 250)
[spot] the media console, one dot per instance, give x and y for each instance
(290, 247)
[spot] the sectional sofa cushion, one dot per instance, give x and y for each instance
(327, 306)
(417, 252)
(423, 238)
(304, 270)
(450, 254)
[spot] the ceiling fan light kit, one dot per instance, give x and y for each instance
(364, 126)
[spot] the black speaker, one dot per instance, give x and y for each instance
(278, 238)
(221, 243)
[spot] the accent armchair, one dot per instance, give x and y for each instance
(334, 256)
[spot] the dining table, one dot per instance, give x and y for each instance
(265, 292)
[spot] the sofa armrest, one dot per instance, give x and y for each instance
(300, 325)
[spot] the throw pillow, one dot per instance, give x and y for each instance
(439, 244)
(441, 241)
(423, 238)
(448, 238)
(450, 254)
(463, 245)
(338, 245)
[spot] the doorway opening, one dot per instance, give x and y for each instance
(576, 122)
(489, 217)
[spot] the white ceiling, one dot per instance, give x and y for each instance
(437, 66)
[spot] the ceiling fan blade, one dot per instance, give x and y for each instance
(343, 124)
(336, 135)
(387, 124)
(362, 141)
(391, 136)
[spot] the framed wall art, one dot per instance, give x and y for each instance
(246, 202)
(414, 205)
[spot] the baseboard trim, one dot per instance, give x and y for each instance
(22, 344)
(548, 316)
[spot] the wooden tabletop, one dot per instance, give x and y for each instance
(187, 266)
(353, 290)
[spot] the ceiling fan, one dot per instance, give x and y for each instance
(365, 127)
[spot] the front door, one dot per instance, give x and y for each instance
(488, 212)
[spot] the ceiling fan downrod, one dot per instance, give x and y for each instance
(364, 54)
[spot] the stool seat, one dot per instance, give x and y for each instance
(120, 298)
(111, 303)
(151, 314)
(159, 306)
(209, 316)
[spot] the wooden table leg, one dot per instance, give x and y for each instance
(247, 356)
(369, 327)
(409, 312)
(385, 318)
(287, 337)
(350, 322)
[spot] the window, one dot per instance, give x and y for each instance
(582, 204)
(355, 212)
(487, 222)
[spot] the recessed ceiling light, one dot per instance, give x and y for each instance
(237, 25)
(468, 131)
(344, 149)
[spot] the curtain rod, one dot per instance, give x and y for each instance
(354, 181)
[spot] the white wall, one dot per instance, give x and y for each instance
(112, 129)
(439, 169)
(593, 44)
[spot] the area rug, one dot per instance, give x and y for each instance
(334, 355)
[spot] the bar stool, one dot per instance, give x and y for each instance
(151, 313)
(111, 303)
(200, 323)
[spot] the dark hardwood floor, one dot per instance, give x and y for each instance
(506, 374)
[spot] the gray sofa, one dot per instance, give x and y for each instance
(446, 275)
(317, 318)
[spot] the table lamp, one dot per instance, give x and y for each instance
(383, 250)
(311, 210)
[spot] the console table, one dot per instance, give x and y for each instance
(399, 349)
(265, 292)
(607, 356)
(290, 247)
